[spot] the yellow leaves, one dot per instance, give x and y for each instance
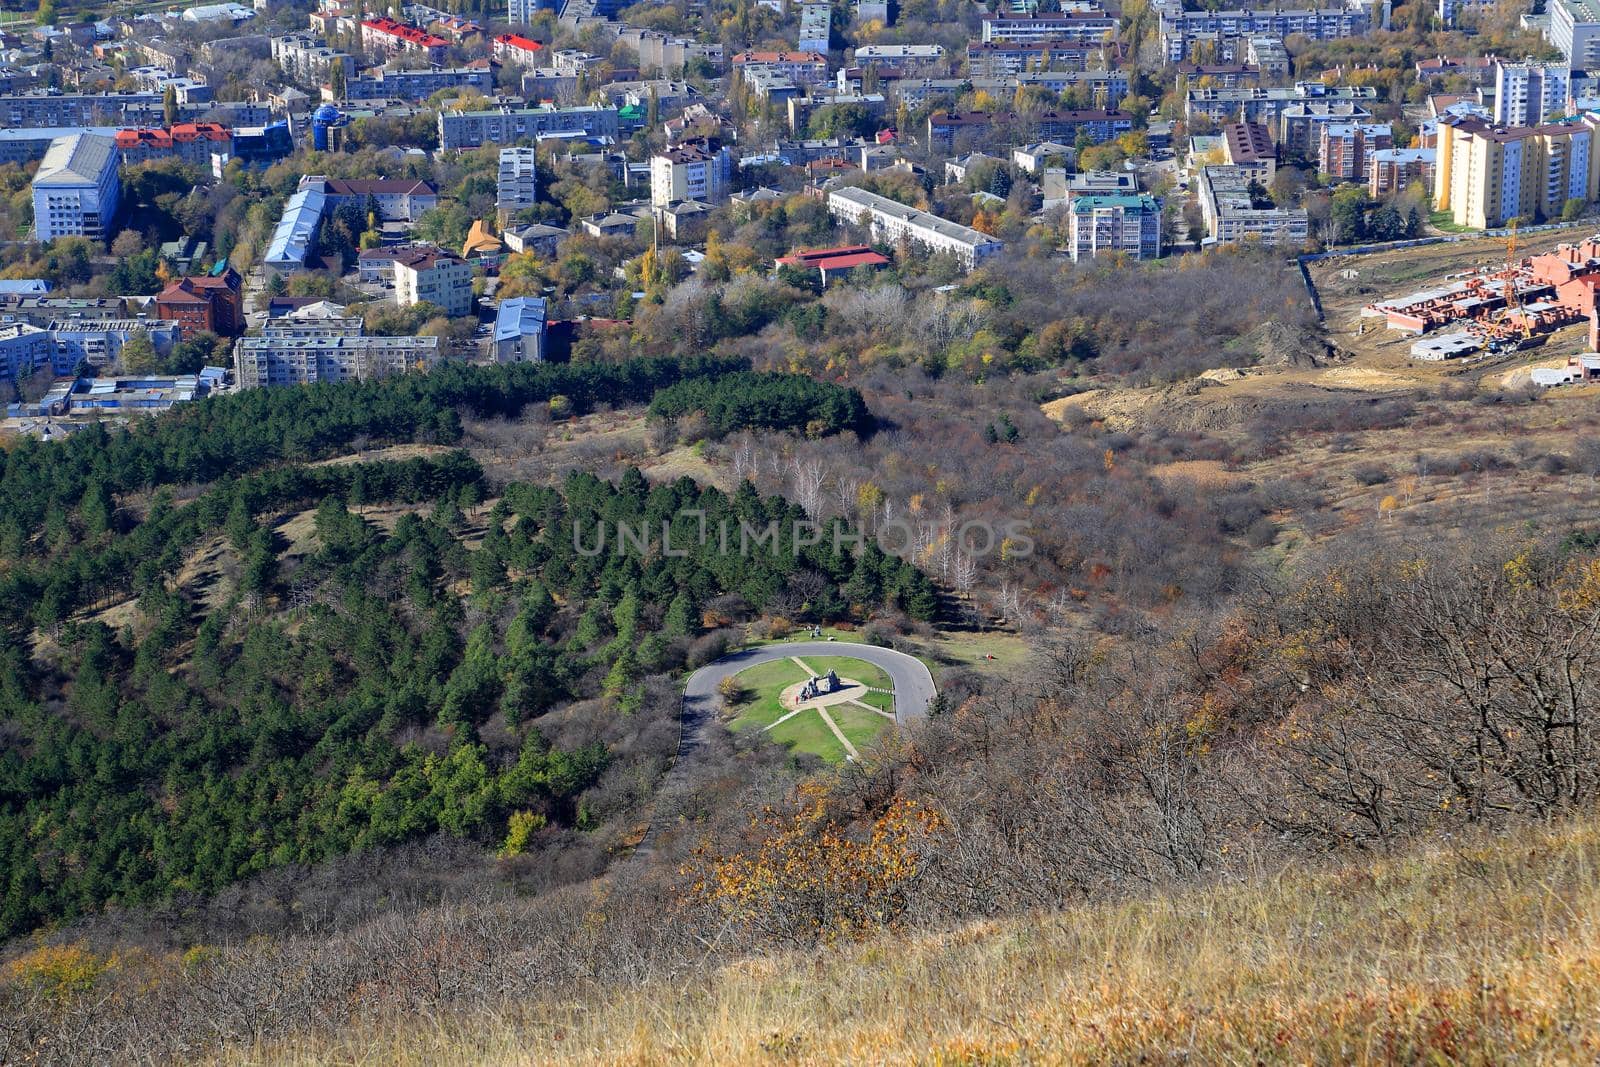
(1110, 461)
(1519, 571)
(58, 971)
(1579, 589)
(812, 874)
(1033, 495)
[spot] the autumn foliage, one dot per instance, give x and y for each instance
(812, 877)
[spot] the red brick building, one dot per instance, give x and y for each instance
(203, 304)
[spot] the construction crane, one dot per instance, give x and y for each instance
(1513, 298)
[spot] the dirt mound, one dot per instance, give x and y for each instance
(1281, 344)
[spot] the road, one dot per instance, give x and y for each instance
(913, 693)
(913, 685)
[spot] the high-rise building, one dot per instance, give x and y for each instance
(1525, 94)
(1485, 175)
(517, 185)
(77, 189)
(1575, 31)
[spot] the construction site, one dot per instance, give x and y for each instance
(1500, 308)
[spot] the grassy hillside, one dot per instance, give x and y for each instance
(1483, 952)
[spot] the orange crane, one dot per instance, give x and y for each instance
(1513, 299)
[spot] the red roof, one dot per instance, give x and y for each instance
(842, 258)
(516, 40)
(420, 38)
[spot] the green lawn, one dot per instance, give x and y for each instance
(808, 733)
(849, 667)
(881, 701)
(765, 682)
(862, 727)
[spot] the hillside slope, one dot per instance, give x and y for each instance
(1482, 952)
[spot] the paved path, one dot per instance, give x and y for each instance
(913, 692)
(913, 685)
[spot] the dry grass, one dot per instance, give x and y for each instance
(1486, 952)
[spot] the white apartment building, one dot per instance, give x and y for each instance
(433, 276)
(1525, 93)
(893, 222)
(284, 359)
(816, 27)
(77, 189)
(1231, 216)
(1575, 31)
(308, 62)
(911, 59)
(1103, 225)
(517, 185)
(694, 170)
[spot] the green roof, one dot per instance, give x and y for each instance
(1137, 201)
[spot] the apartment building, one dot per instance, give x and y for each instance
(1450, 11)
(1106, 88)
(665, 53)
(1344, 148)
(307, 61)
(1087, 25)
(1391, 170)
(386, 36)
(24, 348)
(1525, 94)
(433, 276)
(1179, 28)
(275, 359)
(504, 125)
(1001, 59)
(204, 304)
(192, 142)
(517, 183)
(1574, 31)
(802, 68)
(77, 189)
(1299, 125)
(396, 199)
(99, 342)
(1486, 175)
(515, 48)
(1232, 216)
(519, 330)
(1122, 224)
(816, 28)
(908, 59)
(1255, 104)
(385, 84)
(694, 170)
(45, 109)
(1248, 145)
(893, 222)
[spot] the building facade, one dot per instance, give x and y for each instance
(894, 222)
(1105, 225)
(519, 330)
(471, 129)
(1486, 175)
(517, 182)
(695, 170)
(1525, 94)
(433, 276)
(77, 189)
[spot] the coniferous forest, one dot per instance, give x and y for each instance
(333, 691)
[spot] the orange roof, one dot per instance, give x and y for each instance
(516, 40)
(420, 38)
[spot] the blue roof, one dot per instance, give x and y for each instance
(291, 241)
(518, 317)
(24, 287)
